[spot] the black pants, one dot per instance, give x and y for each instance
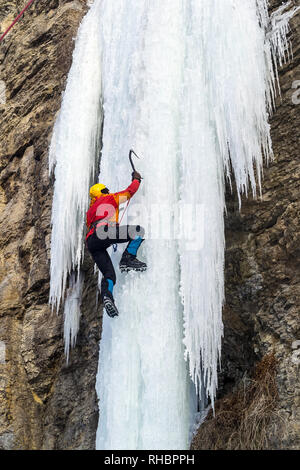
(103, 238)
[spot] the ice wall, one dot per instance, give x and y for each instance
(231, 53)
(143, 384)
(74, 150)
(190, 85)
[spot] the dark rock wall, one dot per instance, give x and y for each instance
(43, 403)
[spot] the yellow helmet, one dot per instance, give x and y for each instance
(95, 190)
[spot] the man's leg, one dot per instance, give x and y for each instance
(134, 234)
(134, 245)
(108, 281)
(97, 248)
(105, 265)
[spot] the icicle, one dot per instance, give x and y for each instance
(231, 59)
(278, 48)
(279, 29)
(72, 311)
(73, 153)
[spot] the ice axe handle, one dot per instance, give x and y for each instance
(130, 159)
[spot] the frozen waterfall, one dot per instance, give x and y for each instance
(189, 85)
(73, 155)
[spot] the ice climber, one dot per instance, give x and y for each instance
(104, 230)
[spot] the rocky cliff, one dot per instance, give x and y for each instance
(45, 404)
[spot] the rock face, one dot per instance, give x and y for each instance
(261, 314)
(43, 403)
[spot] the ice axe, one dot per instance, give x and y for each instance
(130, 158)
(131, 162)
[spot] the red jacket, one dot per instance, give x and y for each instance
(106, 207)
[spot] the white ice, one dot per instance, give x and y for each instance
(72, 311)
(74, 147)
(190, 86)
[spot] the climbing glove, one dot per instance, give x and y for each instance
(136, 176)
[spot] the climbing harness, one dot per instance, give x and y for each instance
(16, 19)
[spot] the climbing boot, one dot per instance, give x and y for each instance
(130, 262)
(109, 305)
